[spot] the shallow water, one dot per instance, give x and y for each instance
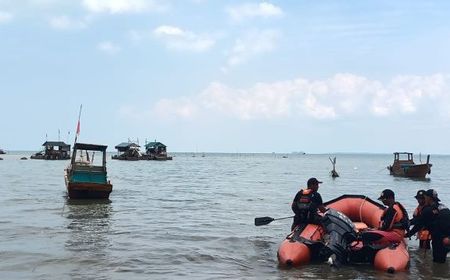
(190, 218)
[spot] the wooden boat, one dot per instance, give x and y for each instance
(404, 166)
(350, 235)
(53, 150)
(85, 177)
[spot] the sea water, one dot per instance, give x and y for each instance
(189, 218)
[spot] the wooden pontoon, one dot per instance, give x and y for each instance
(127, 151)
(53, 150)
(156, 151)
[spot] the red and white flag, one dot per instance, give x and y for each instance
(78, 128)
(78, 124)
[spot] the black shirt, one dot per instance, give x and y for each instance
(316, 201)
(435, 218)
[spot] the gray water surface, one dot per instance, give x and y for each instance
(190, 218)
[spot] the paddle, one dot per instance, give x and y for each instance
(267, 220)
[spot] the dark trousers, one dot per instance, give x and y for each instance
(439, 250)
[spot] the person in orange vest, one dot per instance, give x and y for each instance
(306, 203)
(435, 217)
(423, 235)
(395, 217)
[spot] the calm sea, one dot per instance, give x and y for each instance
(190, 218)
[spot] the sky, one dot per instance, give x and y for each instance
(227, 76)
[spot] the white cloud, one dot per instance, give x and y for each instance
(168, 30)
(341, 96)
(178, 39)
(5, 17)
(252, 44)
(257, 102)
(108, 47)
(122, 6)
(65, 22)
(183, 108)
(252, 10)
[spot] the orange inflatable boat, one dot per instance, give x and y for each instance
(347, 235)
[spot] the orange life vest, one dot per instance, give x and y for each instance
(305, 200)
(304, 204)
(400, 221)
(422, 234)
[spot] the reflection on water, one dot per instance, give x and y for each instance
(88, 241)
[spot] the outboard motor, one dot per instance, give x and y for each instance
(340, 233)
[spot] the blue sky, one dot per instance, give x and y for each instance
(227, 76)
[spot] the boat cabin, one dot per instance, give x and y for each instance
(127, 151)
(404, 165)
(53, 150)
(404, 157)
(86, 166)
(86, 176)
(85, 154)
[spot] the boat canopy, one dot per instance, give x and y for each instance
(89, 147)
(124, 146)
(154, 145)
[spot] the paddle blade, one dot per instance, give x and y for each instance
(263, 221)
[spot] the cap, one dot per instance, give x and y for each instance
(420, 194)
(387, 193)
(433, 194)
(313, 181)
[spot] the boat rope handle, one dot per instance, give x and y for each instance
(360, 209)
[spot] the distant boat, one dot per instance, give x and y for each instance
(404, 166)
(53, 150)
(83, 179)
(2, 152)
(127, 151)
(156, 151)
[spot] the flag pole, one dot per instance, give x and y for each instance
(78, 124)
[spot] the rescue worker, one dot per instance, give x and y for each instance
(395, 217)
(435, 217)
(423, 235)
(306, 203)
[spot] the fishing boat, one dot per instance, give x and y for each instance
(86, 176)
(53, 150)
(347, 234)
(404, 166)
